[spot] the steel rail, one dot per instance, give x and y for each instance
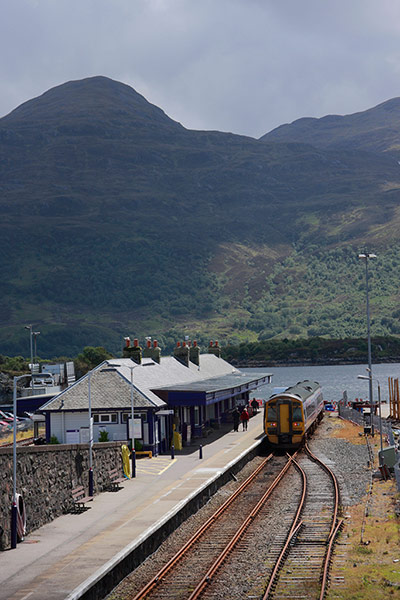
(236, 537)
(23, 442)
(325, 574)
(178, 555)
(335, 526)
(335, 487)
(296, 524)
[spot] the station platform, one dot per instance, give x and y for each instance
(70, 557)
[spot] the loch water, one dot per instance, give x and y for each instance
(334, 379)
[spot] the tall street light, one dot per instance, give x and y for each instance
(370, 378)
(14, 496)
(133, 455)
(35, 334)
(90, 437)
(31, 341)
(113, 366)
(367, 256)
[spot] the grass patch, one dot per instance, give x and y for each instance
(369, 570)
(21, 435)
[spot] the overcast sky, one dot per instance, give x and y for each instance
(244, 66)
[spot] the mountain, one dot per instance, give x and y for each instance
(374, 130)
(116, 220)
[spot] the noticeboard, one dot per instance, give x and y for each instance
(137, 428)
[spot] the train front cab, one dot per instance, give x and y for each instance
(284, 422)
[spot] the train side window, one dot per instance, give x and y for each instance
(272, 414)
(296, 412)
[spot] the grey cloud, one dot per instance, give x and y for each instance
(235, 65)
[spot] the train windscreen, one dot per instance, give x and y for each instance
(296, 412)
(272, 414)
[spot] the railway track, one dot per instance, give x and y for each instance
(24, 442)
(188, 573)
(301, 569)
(265, 541)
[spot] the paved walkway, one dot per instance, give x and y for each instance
(62, 559)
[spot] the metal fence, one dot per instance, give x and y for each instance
(357, 417)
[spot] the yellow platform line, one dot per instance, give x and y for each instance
(155, 469)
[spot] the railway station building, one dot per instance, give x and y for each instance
(175, 398)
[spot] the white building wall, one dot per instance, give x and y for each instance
(74, 421)
(56, 426)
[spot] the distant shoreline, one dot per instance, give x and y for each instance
(328, 363)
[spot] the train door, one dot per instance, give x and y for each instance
(284, 421)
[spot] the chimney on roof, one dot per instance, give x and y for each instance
(194, 354)
(214, 349)
(152, 352)
(181, 353)
(134, 352)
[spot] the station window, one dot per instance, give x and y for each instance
(105, 418)
(127, 415)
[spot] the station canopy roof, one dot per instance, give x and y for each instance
(211, 390)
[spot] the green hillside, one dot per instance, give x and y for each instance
(116, 220)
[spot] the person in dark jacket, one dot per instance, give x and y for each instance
(236, 418)
(254, 406)
(244, 417)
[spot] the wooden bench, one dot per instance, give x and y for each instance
(115, 479)
(148, 453)
(79, 498)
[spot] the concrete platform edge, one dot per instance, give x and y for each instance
(111, 573)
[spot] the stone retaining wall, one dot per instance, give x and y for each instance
(45, 477)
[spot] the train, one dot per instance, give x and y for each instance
(292, 415)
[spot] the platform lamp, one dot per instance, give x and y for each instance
(35, 334)
(367, 256)
(112, 365)
(91, 486)
(370, 378)
(29, 327)
(90, 435)
(133, 453)
(14, 495)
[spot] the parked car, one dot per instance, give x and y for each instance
(8, 417)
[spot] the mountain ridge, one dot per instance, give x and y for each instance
(93, 93)
(358, 130)
(115, 218)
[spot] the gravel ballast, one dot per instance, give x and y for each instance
(348, 461)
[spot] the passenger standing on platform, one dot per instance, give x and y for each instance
(236, 418)
(254, 406)
(244, 417)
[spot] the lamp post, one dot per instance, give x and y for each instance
(14, 494)
(370, 378)
(367, 256)
(90, 437)
(35, 334)
(31, 343)
(113, 366)
(133, 454)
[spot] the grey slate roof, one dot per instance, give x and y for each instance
(111, 388)
(151, 375)
(108, 390)
(215, 384)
